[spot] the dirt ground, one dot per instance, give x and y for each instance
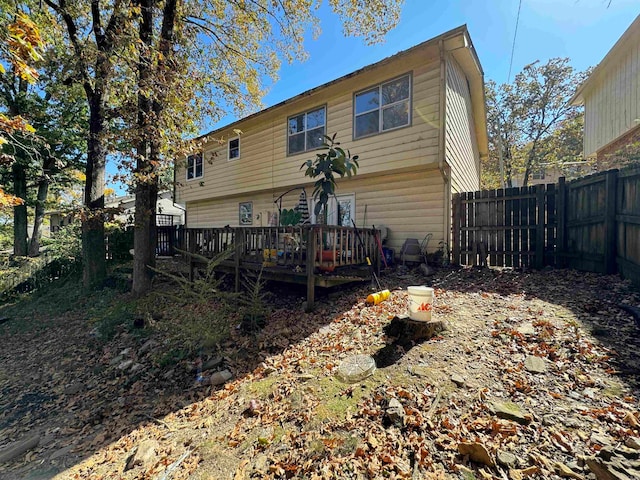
(536, 376)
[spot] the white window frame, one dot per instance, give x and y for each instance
(229, 157)
(381, 107)
(193, 167)
(304, 132)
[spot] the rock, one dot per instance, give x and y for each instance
(137, 367)
(212, 363)
(395, 412)
(458, 380)
(124, 365)
(476, 452)
(506, 459)
(218, 378)
(146, 347)
(74, 388)
(549, 420)
(535, 364)
(565, 472)
(143, 455)
(61, 452)
(116, 360)
(261, 464)
(526, 329)
(510, 411)
(423, 371)
(305, 377)
(18, 448)
(633, 442)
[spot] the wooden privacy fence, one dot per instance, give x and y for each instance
(590, 224)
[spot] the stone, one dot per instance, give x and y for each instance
(506, 459)
(395, 412)
(305, 377)
(510, 411)
(477, 453)
(116, 360)
(458, 380)
(633, 442)
(526, 329)
(137, 367)
(565, 472)
(143, 455)
(261, 464)
(535, 364)
(549, 420)
(146, 347)
(73, 388)
(61, 452)
(423, 371)
(212, 363)
(218, 378)
(126, 364)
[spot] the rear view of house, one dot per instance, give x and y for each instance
(416, 120)
(611, 97)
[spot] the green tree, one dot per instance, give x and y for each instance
(524, 116)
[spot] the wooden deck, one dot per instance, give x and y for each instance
(315, 255)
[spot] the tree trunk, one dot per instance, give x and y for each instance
(19, 211)
(149, 115)
(94, 265)
(43, 191)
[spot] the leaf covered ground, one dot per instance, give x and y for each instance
(535, 377)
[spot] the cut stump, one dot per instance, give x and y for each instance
(407, 330)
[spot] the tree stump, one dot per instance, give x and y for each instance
(407, 330)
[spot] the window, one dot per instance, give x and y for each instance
(383, 107)
(306, 131)
(538, 173)
(194, 166)
(234, 148)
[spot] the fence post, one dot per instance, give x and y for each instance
(540, 224)
(311, 266)
(457, 211)
(610, 222)
(561, 215)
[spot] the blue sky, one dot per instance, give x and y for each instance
(583, 30)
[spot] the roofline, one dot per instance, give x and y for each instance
(461, 30)
(577, 98)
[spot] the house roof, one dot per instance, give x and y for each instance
(620, 47)
(456, 40)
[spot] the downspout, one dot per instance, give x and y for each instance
(442, 164)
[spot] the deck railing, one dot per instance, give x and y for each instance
(330, 246)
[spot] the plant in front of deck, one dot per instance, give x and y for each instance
(332, 160)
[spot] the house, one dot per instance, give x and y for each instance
(416, 120)
(611, 97)
(551, 172)
(167, 212)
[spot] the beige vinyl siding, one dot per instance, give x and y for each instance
(410, 204)
(612, 104)
(461, 147)
(265, 165)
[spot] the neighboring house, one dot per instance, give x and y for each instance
(551, 172)
(611, 97)
(167, 212)
(416, 119)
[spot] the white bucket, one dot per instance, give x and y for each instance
(420, 303)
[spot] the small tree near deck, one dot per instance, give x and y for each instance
(333, 161)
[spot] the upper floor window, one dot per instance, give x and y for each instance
(383, 107)
(234, 148)
(306, 131)
(194, 166)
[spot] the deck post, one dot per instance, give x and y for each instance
(311, 267)
(239, 244)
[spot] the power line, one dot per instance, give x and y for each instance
(513, 46)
